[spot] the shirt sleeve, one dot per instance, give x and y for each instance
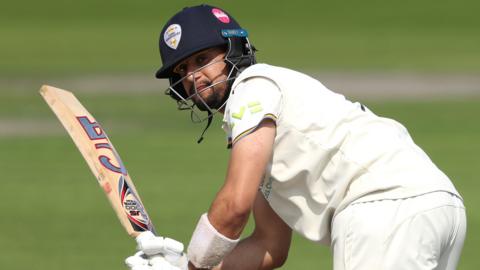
(252, 101)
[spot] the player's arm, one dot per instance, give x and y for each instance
(231, 208)
(267, 247)
(217, 233)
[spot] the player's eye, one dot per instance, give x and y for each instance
(180, 69)
(201, 60)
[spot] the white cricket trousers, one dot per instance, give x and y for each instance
(416, 233)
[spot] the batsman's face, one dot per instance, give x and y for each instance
(205, 74)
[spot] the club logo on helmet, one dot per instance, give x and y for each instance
(221, 16)
(172, 36)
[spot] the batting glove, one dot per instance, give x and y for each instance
(157, 253)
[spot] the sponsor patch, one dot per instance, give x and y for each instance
(227, 33)
(173, 35)
(221, 16)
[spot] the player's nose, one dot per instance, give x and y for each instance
(193, 76)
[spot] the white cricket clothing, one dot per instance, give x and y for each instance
(417, 233)
(328, 152)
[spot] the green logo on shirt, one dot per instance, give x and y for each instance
(239, 115)
(253, 107)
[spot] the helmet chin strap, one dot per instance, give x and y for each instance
(209, 121)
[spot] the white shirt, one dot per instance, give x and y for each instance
(328, 151)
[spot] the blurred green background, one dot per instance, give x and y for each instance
(55, 216)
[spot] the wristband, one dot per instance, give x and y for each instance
(208, 247)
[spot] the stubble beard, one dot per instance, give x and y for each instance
(214, 99)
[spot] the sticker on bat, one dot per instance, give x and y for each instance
(95, 132)
(93, 129)
(134, 209)
(106, 162)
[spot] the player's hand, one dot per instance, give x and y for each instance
(152, 245)
(140, 261)
(157, 253)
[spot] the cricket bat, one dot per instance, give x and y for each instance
(101, 157)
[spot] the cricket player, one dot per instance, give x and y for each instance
(303, 159)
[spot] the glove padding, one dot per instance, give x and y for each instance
(140, 261)
(151, 244)
(157, 253)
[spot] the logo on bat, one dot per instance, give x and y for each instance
(95, 132)
(133, 207)
(130, 202)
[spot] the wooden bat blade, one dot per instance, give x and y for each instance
(101, 157)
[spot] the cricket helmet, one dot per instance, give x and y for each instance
(197, 28)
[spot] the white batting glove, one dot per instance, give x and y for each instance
(159, 262)
(140, 261)
(151, 244)
(157, 253)
(137, 262)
